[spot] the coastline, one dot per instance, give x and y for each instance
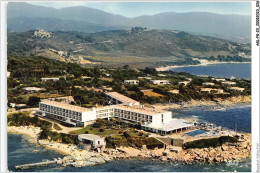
(78, 158)
(229, 102)
(167, 68)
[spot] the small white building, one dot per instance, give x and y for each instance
(45, 79)
(189, 79)
(208, 83)
(209, 90)
(160, 82)
(85, 77)
(161, 75)
(148, 78)
(172, 126)
(229, 83)
(184, 82)
(174, 91)
(32, 89)
(88, 141)
(220, 91)
(219, 80)
(8, 73)
(232, 78)
(205, 90)
(237, 89)
(131, 82)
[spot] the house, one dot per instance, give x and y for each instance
(148, 78)
(208, 83)
(32, 89)
(237, 89)
(183, 82)
(209, 90)
(174, 91)
(63, 99)
(229, 83)
(79, 87)
(205, 90)
(107, 88)
(85, 77)
(160, 82)
(218, 80)
(161, 75)
(8, 73)
(232, 78)
(131, 82)
(54, 79)
(189, 79)
(20, 105)
(90, 141)
(220, 91)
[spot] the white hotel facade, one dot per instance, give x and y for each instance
(121, 107)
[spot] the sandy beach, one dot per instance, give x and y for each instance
(167, 68)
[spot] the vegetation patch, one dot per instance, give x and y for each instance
(57, 127)
(212, 142)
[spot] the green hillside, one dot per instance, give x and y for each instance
(123, 46)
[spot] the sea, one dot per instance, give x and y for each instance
(239, 70)
(238, 117)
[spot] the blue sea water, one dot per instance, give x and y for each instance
(240, 70)
(235, 118)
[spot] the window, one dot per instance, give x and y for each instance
(162, 118)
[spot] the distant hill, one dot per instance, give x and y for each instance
(138, 45)
(229, 27)
(22, 24)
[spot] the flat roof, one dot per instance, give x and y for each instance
(89, 137)
(65, 106)
(172, 125)
(121, 97)
(50, 78)
(159, 80)
(33, 88)
(140, 109)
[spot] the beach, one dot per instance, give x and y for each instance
(167, 68)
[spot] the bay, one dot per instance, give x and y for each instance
(234, 118)
(226, 70)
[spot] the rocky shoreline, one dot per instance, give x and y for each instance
(78, 158)
(229, 102)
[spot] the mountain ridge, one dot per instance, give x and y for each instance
(230, 27)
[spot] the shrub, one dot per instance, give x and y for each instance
(57, 127)
(86, 132)
(101, 130)
(212, 142)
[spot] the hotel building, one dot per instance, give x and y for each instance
(121, 107)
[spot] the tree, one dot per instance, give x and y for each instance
(33, 100)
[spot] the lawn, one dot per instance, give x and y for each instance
(104, 132)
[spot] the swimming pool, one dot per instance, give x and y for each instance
(196, 132)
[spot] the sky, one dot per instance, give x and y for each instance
(134, 9)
